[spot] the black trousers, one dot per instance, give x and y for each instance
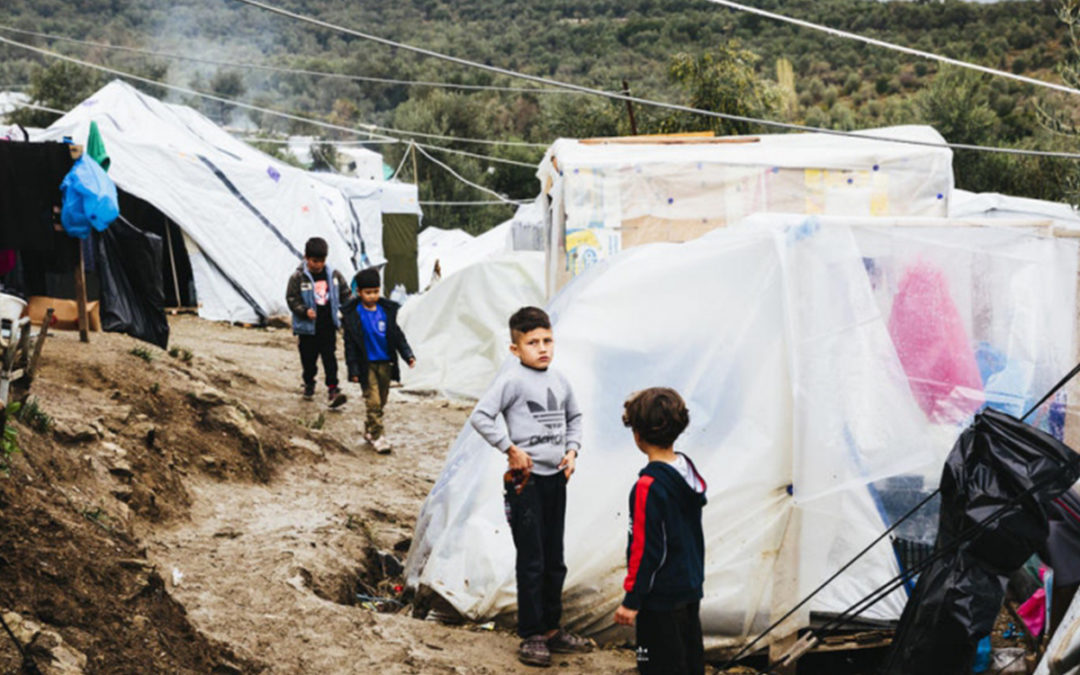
(324, 344)
(669, 642)
(537, 519)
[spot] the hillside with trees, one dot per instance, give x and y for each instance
(686, 51)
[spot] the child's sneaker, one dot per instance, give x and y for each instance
(534, 651)
(563, 642)
(309, 392)
(335, 398)
(381, 445)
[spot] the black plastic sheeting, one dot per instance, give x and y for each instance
(132, 291)
(997, 462)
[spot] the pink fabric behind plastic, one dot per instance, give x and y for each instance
(933, 346)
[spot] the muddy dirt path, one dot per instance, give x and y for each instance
(266, 568)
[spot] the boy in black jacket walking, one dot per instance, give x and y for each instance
(373, 341)
(666, 549)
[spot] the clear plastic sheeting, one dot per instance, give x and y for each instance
(777, 333)
(613, 194)
(458, 329)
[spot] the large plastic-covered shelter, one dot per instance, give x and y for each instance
(611, 194)
(828, 365)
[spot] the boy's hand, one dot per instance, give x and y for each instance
(412, 363)
(311, 314)
(624, 616)
(568, 462)
(519, 461)
(355, 378)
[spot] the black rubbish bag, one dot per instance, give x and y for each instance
(132, 291)
(998, 462)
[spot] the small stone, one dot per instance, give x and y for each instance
(208, 461)
(63, 659)
(24, 629)
(121, 468)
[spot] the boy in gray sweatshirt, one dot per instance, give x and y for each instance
(541, 438)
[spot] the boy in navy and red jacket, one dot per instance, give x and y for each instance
(666, 549)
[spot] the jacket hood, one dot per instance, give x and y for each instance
(673, 482)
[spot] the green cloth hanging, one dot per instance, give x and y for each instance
(95, 147)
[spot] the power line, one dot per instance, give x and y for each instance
(373, 127)
(488, 158)
(282, 69)
(900, 48)
(644, 101)
(468, 182)
(220, 99)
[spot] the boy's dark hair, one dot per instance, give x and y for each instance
(316, 247)
(368, 278)
(658, 414)
(527, 319)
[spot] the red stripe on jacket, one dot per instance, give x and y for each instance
(637, 547)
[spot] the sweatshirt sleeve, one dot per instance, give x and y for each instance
(485, 418)
(573, 421)
(293, 296)
(648, 543)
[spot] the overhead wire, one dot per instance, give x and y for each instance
(644, 101)
(836, 32)
(241, 104)
(284, 69)
(365, 126)
(468, 182)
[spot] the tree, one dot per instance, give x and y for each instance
(60, 86)
(723, 80)
(225, 84)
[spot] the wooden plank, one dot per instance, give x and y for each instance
(80, 297)
(31, 367)
(645, 140)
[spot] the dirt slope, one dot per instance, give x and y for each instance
(205, 468)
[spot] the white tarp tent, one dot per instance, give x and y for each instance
(245, 216)
(456, 252)
(964, 204)
(458, 328)
(608, 195)
(815, 376)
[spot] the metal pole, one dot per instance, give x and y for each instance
(415, 172)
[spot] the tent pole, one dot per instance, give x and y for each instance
(172, 261)
(629, 108)
(80, 296)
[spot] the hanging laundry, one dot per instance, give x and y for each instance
(30, 177)
(933, 346)
(90, 200)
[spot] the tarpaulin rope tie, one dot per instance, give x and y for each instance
(742, 652)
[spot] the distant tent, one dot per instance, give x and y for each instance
(236, 217)
(964, 204)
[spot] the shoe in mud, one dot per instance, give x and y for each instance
(534, 651)
(309, 392)
(564, 642)
(335, 398)
(381, 445)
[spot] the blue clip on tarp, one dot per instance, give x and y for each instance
(89, 199)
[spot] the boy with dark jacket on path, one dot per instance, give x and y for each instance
(665, 552)
(541, 439)
(373, 341)
(315, 294)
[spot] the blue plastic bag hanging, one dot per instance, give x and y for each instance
(90, 200)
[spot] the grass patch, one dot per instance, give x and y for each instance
(9, 439)
(32, 415)
(155, 388)
(181, 353)
(316, 423)
(142, 353)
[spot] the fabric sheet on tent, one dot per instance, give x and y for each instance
(399, 246)
(458, 329)
(248, 213)
(776, 333)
